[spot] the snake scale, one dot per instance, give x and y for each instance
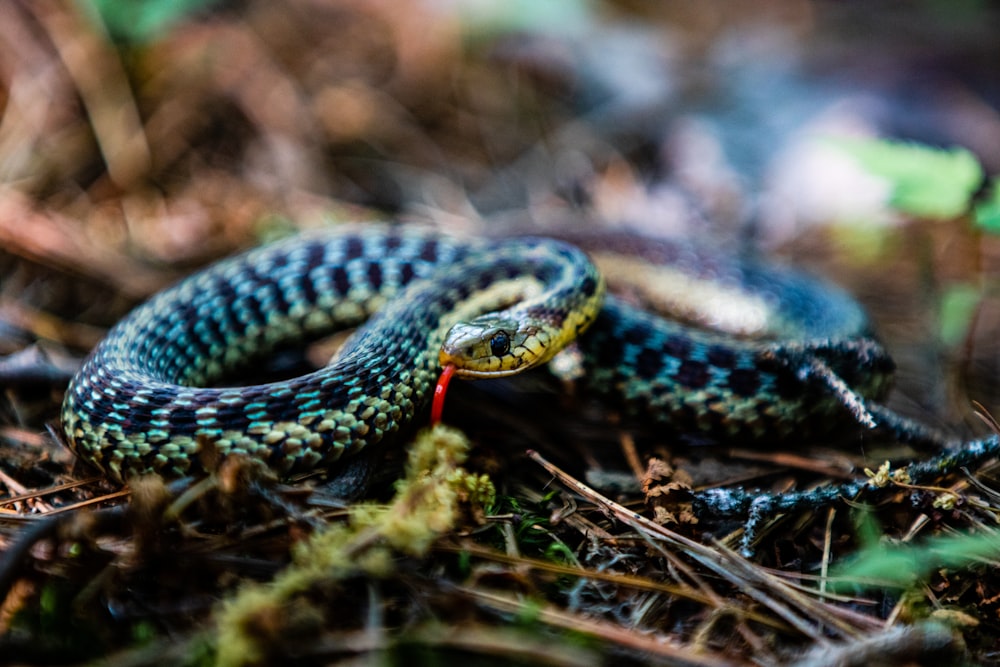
(149, 397)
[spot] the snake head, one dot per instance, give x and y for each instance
(493, 347)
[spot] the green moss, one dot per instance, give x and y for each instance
(433, 498)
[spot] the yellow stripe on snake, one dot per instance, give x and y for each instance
(148, 397)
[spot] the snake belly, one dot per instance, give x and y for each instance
(144, 400)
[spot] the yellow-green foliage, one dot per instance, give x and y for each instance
(429, 501)
(926, 182)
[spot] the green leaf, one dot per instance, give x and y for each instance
(926, 182)
(898, 567)
(905, 564)
(987, 212)
(557, 552)
(139, 21)
(958, 305)
(499, 17)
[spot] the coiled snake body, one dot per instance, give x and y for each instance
(144, 400)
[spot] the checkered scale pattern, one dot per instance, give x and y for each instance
(148, 399)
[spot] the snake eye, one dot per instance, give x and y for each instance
(500, 343)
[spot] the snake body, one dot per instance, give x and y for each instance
(732, 366)
(145, 399)
(143, 402)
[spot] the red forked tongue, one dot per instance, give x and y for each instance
(437, 407)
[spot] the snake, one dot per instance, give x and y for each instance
(154, 395)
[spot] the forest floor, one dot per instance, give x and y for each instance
(141, 141)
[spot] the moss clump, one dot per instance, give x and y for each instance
(435, 495)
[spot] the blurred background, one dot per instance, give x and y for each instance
(139, 140)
